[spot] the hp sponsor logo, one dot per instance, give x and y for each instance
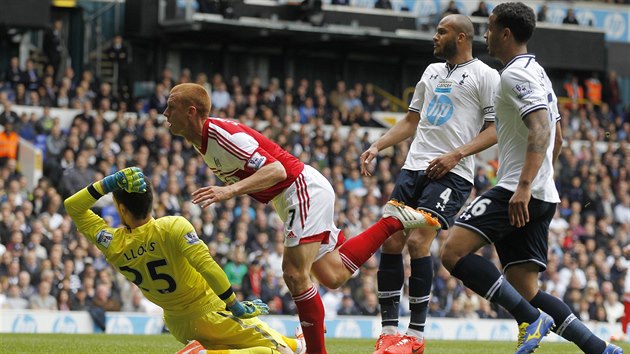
(154, 326)
(348, 329)
(556, 15)
(586, 18)
(24, 324)
(501, 332)
(434, 330)
(440, 110)
(425, 8)
(278, 325)
(466, 331)
(119, 325)
(65, 324)
(615, 25)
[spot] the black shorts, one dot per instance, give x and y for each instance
(488, 216)
(443, 197)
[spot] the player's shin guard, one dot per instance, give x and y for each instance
(311, 312)
(391, 278)
(420, 291)
(360, 248)
(568, 326)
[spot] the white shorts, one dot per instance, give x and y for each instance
(307, 208)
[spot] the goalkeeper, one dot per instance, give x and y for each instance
(173, 269)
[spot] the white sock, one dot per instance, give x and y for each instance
(390, 330)
(415, 333)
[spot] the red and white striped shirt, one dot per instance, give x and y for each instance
(234, 151)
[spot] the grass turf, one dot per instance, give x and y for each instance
(123, 344)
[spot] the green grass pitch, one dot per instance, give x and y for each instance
(122, 344)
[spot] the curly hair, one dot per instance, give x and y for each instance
(518, 17)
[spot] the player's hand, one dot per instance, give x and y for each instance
(207, 195)
(517, 209)
(130, 179)
(367, 157)
(249, 309)
(441, 165)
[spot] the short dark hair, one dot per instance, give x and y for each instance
(518, 17)
(140, 205)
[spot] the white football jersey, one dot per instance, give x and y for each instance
(525, 88)
(453, 102)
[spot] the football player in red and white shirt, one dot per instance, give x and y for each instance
(249, 163)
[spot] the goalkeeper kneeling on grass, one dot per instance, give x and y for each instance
(173, 269)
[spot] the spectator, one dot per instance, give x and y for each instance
(220, 97)
(451, 9)
(14, 74)
(236, 269)
(348, 307)
(612, 92)
(75, 176)
(103, 299)
(9, 142)
(8, 114)
(31, 78)
(570, 18)
(383, 4)
(13, 300)
(43, 300)
(369, 305)
(54, 46)
(593, 89)
(157, 100)
(118, 54)
(482, 10)
(63, 300)
(542, 13)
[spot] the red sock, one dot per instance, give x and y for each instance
(311, 312)
(626, 316)
(360, 248)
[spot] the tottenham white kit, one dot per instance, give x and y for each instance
(525, 88)
(453, 103)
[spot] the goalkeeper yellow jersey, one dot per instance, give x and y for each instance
(164, 258)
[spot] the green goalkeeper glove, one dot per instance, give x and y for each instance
(130, 179)
(249, 309)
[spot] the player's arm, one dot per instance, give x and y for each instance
(557, 145)
(196, 253)
(78, 208)
(266, 177)
(538, 140)
(441, 165)
(403, 129)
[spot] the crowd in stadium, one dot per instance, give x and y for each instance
(46, 264)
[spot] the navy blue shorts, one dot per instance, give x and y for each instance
(488, 216)
(443, 197)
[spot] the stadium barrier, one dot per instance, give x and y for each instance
(28, 321)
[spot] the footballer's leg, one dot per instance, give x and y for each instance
(296, 266)
(420, 281)
(390, 280)
(357, 250)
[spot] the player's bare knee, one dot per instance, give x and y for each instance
(419, 245)
(394, 244)
(449, 256)
(337, 281)
(295, 279)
